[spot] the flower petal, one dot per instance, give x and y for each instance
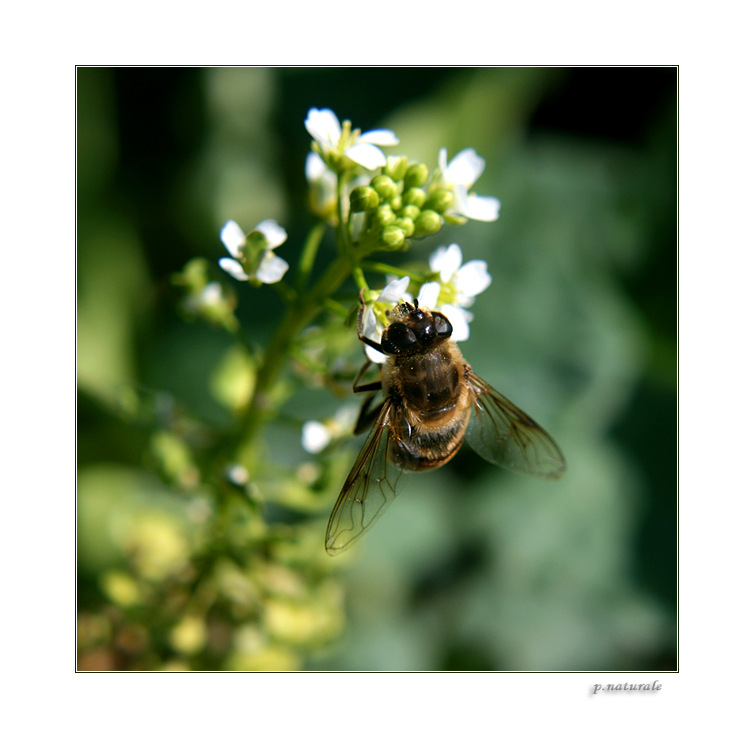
(446, 260)
(315, 436)
(324, 126)
(212, 294)
(370, 157)
(442, 159)
(379, 137)
(473, 278)
(459, 319)
(315, 168)
(370, 326)
(394, 290)
(428, 295)
(481, 208)
(273, 232)
(465, 168)
(233, 238)
(271, 269)
(374, 355)
(234, 269)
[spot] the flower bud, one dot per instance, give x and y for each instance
(393, 238)
(454, 219)
(427, 223)
(440, 200)
(252, 250)
(414, 196)
(396, 167)
(410, 211)
(396, 203)
(416, 175)
(385, 187)
(364, 198)
(406, 225)
(384, 215)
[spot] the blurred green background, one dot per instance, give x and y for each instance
(473, 568)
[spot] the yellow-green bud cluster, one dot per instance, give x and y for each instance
(398, 205)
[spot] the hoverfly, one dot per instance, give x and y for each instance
(432, 401)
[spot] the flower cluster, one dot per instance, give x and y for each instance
(401, 201)
(376, 203)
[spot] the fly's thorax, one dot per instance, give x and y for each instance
(428, 384)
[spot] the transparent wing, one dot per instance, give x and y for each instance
(504, 435)
(374, 482)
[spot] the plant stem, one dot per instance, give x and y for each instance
(299, 315)
(308, 254)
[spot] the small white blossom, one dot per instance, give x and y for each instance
(238, 474)
(458, 287)
(466, 281)
(211, 296)
(324, 127)
(394, 291)
(271, 268)
(458, 176)
(323, 187)
(322, 179)
(315, 436)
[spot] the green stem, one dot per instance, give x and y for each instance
(343, 238)
(375, 266)
(308, 255)
(298, 317)
(358, 276)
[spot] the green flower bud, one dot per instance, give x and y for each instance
(396, 167)
(255, 246)
(384, 215)
(414, 196)
(406, 225)
(393, 237)
(194, 275)
(385, 187)
(454, 219)
(427, 223)
(396, 203)
(416, 175)
(411, 211)
(364, 198)
(440, 200)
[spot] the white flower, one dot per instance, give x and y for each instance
(466, 281)
(270, 268)
(394, 291)
(238, 474)
(464, 169)
(315, 436)
(210, 296)
(317, 174)
(325, 128)
(323, 187)
(458, 287)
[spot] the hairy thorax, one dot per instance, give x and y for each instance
(431, 390)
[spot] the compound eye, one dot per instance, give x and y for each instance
(398, 339)
(442, 326)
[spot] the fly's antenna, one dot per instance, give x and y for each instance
(416, 303)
